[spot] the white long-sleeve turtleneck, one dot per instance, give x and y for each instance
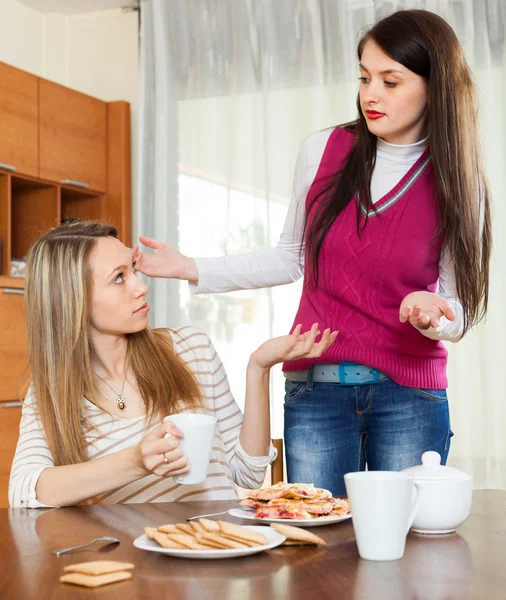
(281, 264)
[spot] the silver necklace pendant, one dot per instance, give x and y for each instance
(120, 399)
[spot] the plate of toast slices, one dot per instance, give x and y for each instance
(204, 538)
(299, 503)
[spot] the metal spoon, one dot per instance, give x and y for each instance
(203, 516)
(218, 513)
(105, 538)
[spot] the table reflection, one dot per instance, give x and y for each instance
(433, 568)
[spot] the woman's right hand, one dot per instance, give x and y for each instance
(295, 346)
(159, 452)
(165, 261)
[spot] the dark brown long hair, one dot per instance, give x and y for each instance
(425, 44)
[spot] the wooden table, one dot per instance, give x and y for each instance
(468, 564)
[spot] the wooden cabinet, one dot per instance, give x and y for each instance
(19, 127)
(13, 355)
(10, 416)
(73, 137)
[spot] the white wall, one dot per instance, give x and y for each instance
(94, 53)
(21, 33)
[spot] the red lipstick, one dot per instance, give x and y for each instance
(372, 114)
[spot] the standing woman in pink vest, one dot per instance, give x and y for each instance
(391, 217)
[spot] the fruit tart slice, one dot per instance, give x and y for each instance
(281, 512)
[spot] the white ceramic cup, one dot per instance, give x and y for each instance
(197, 444)
(383, 506)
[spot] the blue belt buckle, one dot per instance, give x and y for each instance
(356, 374)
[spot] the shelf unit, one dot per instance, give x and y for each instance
(29, 207)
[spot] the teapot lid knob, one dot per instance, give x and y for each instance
(431, 458)
(431, 468)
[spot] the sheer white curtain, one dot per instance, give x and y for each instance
(229, 89)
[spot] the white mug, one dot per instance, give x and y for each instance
(382, 510)
(196, 445)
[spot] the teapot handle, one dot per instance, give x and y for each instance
(416, 505)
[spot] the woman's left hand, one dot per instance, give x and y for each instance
(292, 347)
(424, 310)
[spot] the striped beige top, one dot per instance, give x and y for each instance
(230, 465)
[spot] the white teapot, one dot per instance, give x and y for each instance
(445, 495)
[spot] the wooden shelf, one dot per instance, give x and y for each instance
(35, 208)
(12, 282)
(80, 204)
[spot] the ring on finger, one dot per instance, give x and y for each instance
(165, 458)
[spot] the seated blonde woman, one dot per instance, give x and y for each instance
(102, 381)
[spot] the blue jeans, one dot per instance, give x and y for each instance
(331, 429)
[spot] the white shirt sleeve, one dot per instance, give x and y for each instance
(274, 266)
(31, 458)
(449, 331)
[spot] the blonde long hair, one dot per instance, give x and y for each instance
(57, 300)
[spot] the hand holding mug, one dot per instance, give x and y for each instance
(196, 444)
(160, 451)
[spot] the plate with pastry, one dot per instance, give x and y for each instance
(297, 503)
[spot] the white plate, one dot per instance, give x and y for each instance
(247, 514)
(274, 538)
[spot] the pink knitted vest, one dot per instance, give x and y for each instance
(363, 278)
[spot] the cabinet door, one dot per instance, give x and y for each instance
(9, 433)
(73, 130)
(19, 128)
(13, 351)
